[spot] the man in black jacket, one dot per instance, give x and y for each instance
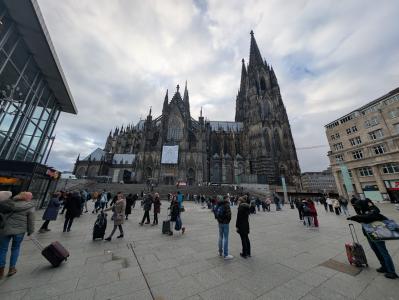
(223, 215)
(370, 213)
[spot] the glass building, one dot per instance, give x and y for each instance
(33, 93)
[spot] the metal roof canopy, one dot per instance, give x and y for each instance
(30, 23)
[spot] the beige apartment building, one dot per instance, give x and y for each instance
(366, 143)
(321, 182)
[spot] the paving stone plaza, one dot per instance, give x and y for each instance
(285, 262)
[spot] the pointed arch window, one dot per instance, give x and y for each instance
(263, 84)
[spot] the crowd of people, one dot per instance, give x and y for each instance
(17, 216)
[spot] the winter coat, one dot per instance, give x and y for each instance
(242, 222)
(312, 207)
(72, 206)
(174, 211)
(129, 203)
(51, 212)
(118, 211)
(20, 216)
(147, 203)
(225, 219)
(306, 211)
(157, 205)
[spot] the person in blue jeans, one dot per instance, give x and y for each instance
(369, 213)
(223, 216)
(18, 213)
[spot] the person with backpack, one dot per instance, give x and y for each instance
(242, 226)
(223, 216)
(337, 207)
(175, 218)
(16, 218)
(369, 213)
(103, 199)
(51, 212)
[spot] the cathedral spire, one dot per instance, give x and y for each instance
(254, 54)
(243, 76)
(185, 97)
(273, 77)
(165, 102)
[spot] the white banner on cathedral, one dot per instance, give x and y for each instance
(170, 154)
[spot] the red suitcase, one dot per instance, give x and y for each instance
(355, 252)
(55, 253)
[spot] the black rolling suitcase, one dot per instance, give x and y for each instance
(100, 226)
(55, 253)
(166, 225)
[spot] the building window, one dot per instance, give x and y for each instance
(339, 158)
(367, 171)
(337, 135)
(393, 113)
(338, 146)
(376, 134)
(358, 154)
(354, 128)
(355, 141)
(379, 149)
(348, 131)
(372, 122)
(333, 137)
(390, 168)
(396, 127)
(350, 173)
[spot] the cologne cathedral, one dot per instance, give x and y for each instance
(174, 147)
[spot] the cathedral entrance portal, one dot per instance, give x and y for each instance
(148, 173)
(190, 176)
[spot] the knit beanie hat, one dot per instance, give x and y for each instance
(4, 195)
(24, 196)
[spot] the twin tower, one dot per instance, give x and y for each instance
(174, 147)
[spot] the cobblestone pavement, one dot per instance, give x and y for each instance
(148, 265)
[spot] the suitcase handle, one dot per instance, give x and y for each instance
(36, 243)
(353, 231)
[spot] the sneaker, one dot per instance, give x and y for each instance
(107, 239)
(391, 275)
(229, 257)
(220, 254)
(381, 270)
(119, 236)
(183, 230)
(47, 229)
(42, 230)
(242, 255)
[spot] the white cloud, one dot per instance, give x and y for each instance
(120, 57)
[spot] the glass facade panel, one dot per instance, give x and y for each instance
(7, 22)
(20, 55)
(12, 39)
(30, 72)
(20, 154)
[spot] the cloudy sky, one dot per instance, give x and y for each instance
(120, 56)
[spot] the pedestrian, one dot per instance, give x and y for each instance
(268, 203)
(180, 199)
(354, 202)
(299, 207)
(324, 202)
(135, 198)
(313, 212)
(307, 216)
(370, 213)
(223, 216)
(96, 200)
(87, 198)
(344, 205)
(257, 203)
(242, 226)
(337, 207)
(63, 199)
(329, 202)
(147, 203)
(118, 215)
(51, 212)
(276, 199)
(19, 218)
(157, 208)
(103, 199)
(129, 203)
(175, 218)
(252, 206)
(72, 207)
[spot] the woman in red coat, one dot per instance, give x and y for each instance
(157, 208)
(313, 212)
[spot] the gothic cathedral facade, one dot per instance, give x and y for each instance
(256, 148)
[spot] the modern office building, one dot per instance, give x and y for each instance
(365, 149)
(33, 93)
(320, 182)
